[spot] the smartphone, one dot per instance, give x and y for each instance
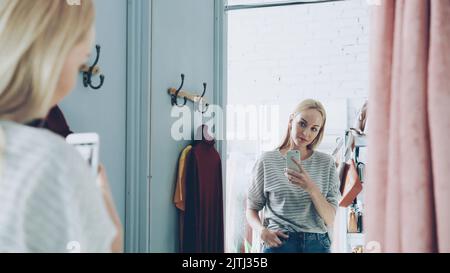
(88, 144)
(290, 164)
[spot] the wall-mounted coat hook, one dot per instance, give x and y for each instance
(202, 99)
(85, 68)
(94, 69)
(178, 93)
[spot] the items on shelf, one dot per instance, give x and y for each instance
(352, 186)
(350, 158)
(360, 222)
(358, 249)
(355, 219)
(361, 121)
(352, 226)
(360, 166)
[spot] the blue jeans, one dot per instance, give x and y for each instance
(301, 242)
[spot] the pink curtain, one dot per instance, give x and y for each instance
(408, 187)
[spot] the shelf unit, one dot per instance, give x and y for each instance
(348, 241)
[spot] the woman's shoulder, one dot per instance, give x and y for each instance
(39, 147)
(270, 155)
(22, 136)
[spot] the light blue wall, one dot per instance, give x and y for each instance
(104, 110)
(182, 42)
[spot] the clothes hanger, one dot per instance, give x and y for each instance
(203, 134)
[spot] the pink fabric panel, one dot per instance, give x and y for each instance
(439, 116)
(378, 119)
(409, 168)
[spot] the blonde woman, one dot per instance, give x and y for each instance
(49, 200)
(299, 207)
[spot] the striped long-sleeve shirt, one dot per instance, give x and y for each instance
(288, 207)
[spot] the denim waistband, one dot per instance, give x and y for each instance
(306, 235)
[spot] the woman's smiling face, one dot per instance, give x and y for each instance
(305, 127)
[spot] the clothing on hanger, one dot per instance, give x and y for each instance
(55, 122)
(179, 197)
(203, 222)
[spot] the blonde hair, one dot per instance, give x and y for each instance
(36, 37)
(306, 105)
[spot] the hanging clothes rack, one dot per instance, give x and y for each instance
(186, 95)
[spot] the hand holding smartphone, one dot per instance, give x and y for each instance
(290, 164)
(88, 144)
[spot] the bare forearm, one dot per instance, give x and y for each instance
(117, 245)
(253, 220)
(323, 207)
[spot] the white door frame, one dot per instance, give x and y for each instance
(220, 87)
(137, 200)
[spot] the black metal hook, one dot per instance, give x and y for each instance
(204, 90)
(175, 96)
(202, 96)
(87, 76)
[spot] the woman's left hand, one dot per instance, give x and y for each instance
(301, 179)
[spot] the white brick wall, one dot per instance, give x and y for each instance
(284, 55)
